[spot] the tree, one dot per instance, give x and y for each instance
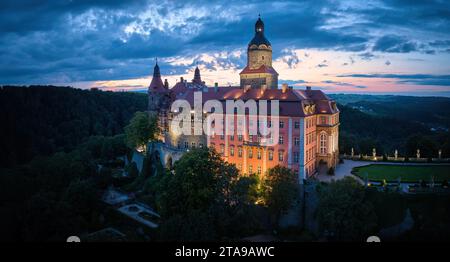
(201, 179)
(202, 183)
(132, 169)
(141, 129)
(330, 171)
(281, 189)
(418, 141)
(344, 211)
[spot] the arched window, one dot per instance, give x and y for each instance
(323, 143)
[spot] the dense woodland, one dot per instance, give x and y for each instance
(42, 120)
(60, 147)
(387, 123)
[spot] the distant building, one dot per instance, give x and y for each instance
(308, 119)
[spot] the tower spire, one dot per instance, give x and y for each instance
(156, 80)
(259, 26)
(156, 71)
(197, 77)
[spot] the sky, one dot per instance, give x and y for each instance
(369, 47)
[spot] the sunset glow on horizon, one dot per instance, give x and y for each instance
(381, 47)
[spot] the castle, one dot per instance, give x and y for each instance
(308, 119)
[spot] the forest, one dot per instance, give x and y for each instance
(60, 145)
(42, 120)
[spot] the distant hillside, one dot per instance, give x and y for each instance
(41, 120)
(394, 122)
(433, 112)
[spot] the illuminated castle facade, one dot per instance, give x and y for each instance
(308, 119)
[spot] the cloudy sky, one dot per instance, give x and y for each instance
(386, 46)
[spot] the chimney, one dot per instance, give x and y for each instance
(166, 84)
(246, 88)
(284, 88)
(216, 87)
(308, 88)
(181, 79)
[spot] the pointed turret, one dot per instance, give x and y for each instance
(157, 83)
(197, 78)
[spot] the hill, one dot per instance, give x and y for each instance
(42, 120)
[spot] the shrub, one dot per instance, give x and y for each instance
(330, 171)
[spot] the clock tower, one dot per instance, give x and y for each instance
(259, 70)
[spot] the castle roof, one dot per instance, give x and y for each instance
(260, 70)
(157, 84)
(292, 102)
(259, 38)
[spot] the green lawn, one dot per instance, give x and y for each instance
(407, 173)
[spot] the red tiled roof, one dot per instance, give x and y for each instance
(261, 69)
(157, 85)
(291, 101)
(257, 94)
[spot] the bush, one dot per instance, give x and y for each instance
(423, 183)
(133, 170)
(331, 171)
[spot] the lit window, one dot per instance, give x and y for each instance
(250, 153)
(222, 149)
(232, 151)
(259, 154)
(250, 169)
(239, 151)
(259, 170)
(270, 155)
(280, 140)
(323, 144)
(280, 156)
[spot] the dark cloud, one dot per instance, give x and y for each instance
(293, 82)
(394, 44)
(367, 56)
(343, 84)
(323, 64)
(80, 40)
(416, 79)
